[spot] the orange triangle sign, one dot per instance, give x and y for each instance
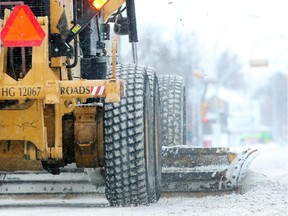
(22, 29)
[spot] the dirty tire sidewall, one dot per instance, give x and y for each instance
(172, 97)
(129, 156)
(157, 132)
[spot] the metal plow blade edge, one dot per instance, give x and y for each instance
(70, 181)
(191, 169)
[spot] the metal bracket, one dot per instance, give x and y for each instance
(59, 48)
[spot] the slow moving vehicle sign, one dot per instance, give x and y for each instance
(22, 29)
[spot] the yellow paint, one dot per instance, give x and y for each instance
(43, 86)
(111, 7)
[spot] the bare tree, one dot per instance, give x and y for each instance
(179, 56)
(228, 71)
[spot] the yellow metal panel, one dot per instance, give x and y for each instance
(56, 62)
(113, 92)
(24, 125)
(44, 86)
(8, 80)
(88, 136)
(57, 150)
(56, 9)
(52, 91)
(111, 7)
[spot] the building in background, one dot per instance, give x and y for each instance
(240, 120)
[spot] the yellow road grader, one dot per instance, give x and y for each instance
(74, 120)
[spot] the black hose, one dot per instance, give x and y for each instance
(133, 36)
(75, 56)
(70, 66)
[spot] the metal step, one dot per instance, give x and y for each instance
(53, 200)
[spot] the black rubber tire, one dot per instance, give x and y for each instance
(157, 132)
(173, 109)
(129, 151)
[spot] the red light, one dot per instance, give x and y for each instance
(98, 4)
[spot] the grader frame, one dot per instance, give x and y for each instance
(32, 127)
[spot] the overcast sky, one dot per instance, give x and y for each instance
(252, 28)
(218, 19)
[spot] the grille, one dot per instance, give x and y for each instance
(38, 7)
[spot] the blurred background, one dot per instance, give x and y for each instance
(233, 55)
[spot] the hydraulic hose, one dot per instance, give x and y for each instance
(70, 66)
(133, 36)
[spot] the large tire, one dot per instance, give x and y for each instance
(129, 151)
(157, 132)
(173, 109)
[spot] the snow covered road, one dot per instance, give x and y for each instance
(264, 193)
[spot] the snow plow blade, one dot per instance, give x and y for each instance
(192, 169)
(184, 169)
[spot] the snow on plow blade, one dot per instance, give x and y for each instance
(184, 169)
(192, 169)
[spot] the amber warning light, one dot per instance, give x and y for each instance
(22, 29)
(98, 4)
